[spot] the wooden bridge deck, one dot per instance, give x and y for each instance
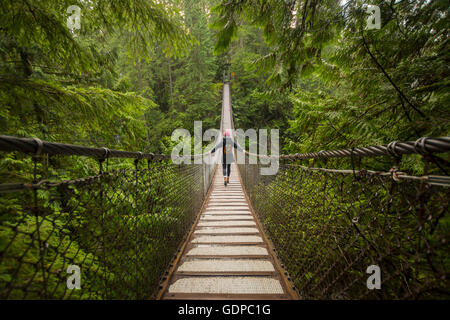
(227, 255)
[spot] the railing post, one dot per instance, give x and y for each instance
(41, 247)
(203, 178)
(244, 174)
(136, 233)
(103, 218)
(102, 226)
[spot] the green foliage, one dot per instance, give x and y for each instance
(295, 31)
(137, 70)
(134, 72)
(121, 230)
(329, 227)
(348, 86)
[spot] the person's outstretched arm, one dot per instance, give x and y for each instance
(217, 146)
(238, 147)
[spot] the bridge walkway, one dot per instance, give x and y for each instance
(227, 255)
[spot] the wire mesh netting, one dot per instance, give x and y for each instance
(121, 227)
(329, 226)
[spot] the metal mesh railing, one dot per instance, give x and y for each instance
(328, 226)
(121, 226)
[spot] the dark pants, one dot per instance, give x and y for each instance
(226, 169)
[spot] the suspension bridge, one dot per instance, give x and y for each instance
(139, 226)
(227, 255)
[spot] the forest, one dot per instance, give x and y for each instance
(134, 71)
(308, 68)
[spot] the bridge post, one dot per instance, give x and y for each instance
(203, 178)
(40, 264)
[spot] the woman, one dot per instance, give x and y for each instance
(227, 156)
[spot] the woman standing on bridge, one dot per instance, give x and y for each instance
(227, 156)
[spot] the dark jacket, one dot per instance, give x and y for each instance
(227, 155)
